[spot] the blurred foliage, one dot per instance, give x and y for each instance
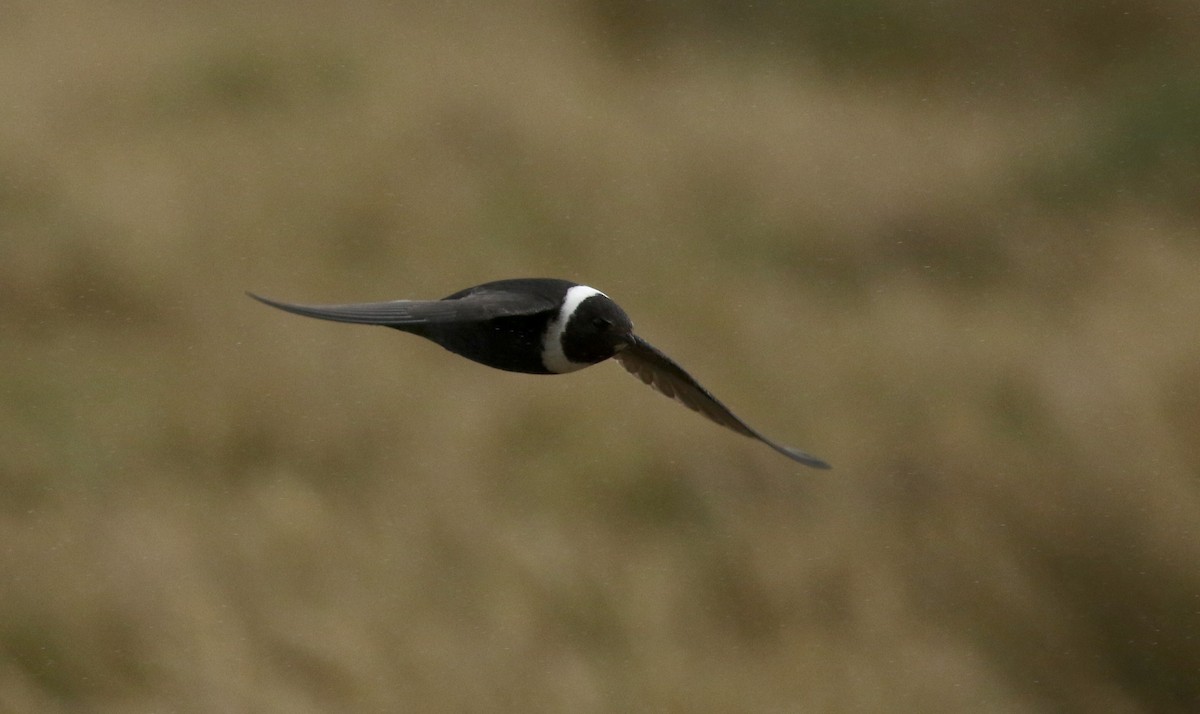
(973, 45)
(951, 247)
(1133, 61)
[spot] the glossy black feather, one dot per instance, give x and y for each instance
(497, 324)
(459, 308)
(652, 366)
(522, 326)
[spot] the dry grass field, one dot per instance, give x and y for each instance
(954, 249)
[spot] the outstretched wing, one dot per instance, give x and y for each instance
(653, 367)
(475, 306)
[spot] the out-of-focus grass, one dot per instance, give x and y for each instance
(978, 299)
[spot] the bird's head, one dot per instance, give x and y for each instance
(596, 331)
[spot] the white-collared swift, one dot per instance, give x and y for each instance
(541, 326)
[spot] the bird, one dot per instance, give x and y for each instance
(541, 326)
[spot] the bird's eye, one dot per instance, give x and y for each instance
(601, 323)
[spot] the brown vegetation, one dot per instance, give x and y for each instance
(953, 251)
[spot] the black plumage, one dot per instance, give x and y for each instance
(541, 326)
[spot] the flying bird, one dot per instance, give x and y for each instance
(541, 326)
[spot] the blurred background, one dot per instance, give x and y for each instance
(952, 248)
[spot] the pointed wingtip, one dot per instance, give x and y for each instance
(806, 459)
(801, 456)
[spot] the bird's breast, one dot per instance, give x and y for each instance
(511, 343)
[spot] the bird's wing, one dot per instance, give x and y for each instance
(472, 307)
(653, 367)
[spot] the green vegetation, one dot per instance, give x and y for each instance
(950, 248)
